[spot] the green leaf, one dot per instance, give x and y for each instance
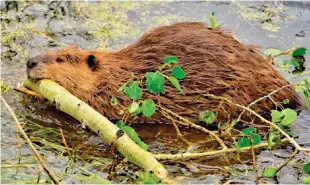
(120, 123)
(114, 101)
(270, 172)
(306, 180)
(207, 116)
(178, 72)
(171, 59)
(299, 52)
(121, 88)
(155, 82)
(148, 178)
(272, 52)
(175, 83)
(248, 131)
(213, 21)
(148, 108)
(286, 101)
(289, 116)
(133, 107)
(272, 138)
(276, 116)
(293, 62)
(298, 88)
(133, 92)
(307, 168)
(138, 111)
(132, 134)
(244, 142)
(256, 139)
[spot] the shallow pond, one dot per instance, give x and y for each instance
(29, 28)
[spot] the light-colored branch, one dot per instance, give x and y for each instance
(29, 92)
(261, 98)
(104, 128)
(193, 125)
(37, 155)
(63, 138)
(211, 153)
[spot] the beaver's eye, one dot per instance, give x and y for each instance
(59, 60)
(91, 62)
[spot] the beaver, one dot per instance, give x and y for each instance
(214, 62)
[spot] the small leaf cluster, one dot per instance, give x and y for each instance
(132, 134)
(207, 116)
(305, 89)
(285, 117)
(296, 62)
(250, 137)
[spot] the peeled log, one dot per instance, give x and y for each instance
(103, 127)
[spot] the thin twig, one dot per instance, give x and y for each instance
(37, 155)
(193, 125)
(261, 98)
(254, 163)
(65, 142)
(176, 128)
(288, 160)
(292, 141)
(29, 92)
(211, 153)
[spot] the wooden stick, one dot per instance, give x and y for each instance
(29, 92)
(103, 127)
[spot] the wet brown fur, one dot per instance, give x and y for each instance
(214, 63)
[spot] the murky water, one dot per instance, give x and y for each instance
(29, 28)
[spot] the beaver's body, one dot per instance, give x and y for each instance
(213, 61)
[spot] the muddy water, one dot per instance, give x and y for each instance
(29, 28)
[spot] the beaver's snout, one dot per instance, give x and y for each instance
(31, 63)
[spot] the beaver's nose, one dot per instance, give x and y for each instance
(31, 63)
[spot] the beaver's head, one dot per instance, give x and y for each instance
(71, 67)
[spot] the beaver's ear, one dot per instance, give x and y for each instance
(71, 47)
(91, 62)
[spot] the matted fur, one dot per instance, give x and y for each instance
(214, 62)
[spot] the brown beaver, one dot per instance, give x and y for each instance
(214, 62)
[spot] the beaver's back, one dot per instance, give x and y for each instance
(214, 62)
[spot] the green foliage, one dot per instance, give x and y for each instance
(207, 116)
(178, 72)
(148, 108)
(306, 93)
(213, 23)
(286, 101)
(306, 180)
(249, 134)
(133, 107)
(175, 83)
(285, 117)
(132, 134)
(148, 178)
(114, 101)
(307, 168)
(272, 52)
(171, 59)
(300, 51)
(133, 92)
(155, 82)
(273, 137)
(243, 142)
(269, 172)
